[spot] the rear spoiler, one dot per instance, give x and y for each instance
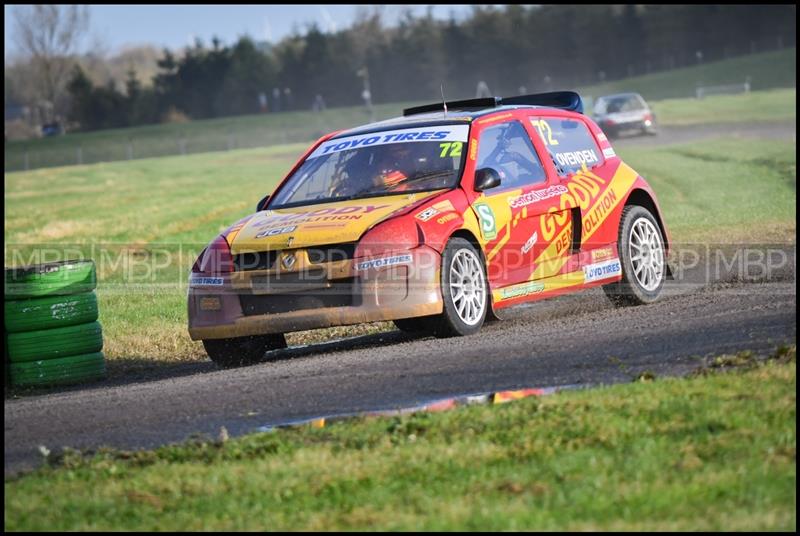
(564, 100)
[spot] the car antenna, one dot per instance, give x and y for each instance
(444, 102)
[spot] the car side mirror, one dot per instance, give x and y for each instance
(262, 204)
(486, 178)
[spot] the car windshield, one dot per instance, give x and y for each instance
(379, 163)
(612, 105)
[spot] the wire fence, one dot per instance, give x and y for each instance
(228, 134)
(148, 147)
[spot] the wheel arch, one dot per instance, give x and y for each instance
(467, 235)
(643, 198)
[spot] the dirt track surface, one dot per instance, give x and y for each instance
(576, 339)
(668, 135)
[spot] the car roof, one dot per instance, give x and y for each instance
(616, 95)
(451, 117)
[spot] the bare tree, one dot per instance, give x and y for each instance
(48, 36)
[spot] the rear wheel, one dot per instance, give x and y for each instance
(465, 291)
(641, 252)
(240, 351)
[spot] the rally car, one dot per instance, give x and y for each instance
(437, 220)
(624, 113)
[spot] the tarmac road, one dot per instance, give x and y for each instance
(576, 339)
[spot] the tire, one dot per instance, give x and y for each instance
(50, 312)
(58, 371)
(642, 280)
(473, 307)
(52, 279)
(240, 351)
(55, 343)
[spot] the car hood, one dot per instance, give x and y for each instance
(318, 224)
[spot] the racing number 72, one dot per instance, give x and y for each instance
(454, 147)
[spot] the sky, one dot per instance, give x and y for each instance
(175, 26)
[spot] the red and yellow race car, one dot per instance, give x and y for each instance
(436, 220)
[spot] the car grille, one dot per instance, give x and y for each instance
(341, 293)
(265, 260)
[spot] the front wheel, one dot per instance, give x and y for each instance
(240, 351)
(641, 253)
(465, 290)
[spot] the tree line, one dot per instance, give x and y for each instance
(513, 48)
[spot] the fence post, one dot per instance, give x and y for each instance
(27, 161)
(79, 155)
(130, 149)
(230, 140)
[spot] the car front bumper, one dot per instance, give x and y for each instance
(629, 126)
(338, 293)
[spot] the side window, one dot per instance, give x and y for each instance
(508, 149)
(569, 142)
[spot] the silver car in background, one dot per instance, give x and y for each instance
(624, 113)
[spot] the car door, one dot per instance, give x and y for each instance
(579, 165)
(511, 215)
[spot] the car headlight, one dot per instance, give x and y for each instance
(394, 235)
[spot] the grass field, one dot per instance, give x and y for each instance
(768, 70)
(196, 136)
(773, 105)
(705, 453)
(144, 221)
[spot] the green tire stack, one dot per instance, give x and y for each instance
(52, 333)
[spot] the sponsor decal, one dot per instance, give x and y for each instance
(473, 149)
(210, 304)
(495, 118)
(601, 208)
(386, 261)
(325, 225)
(536, 195)
(602, 254)
(441, 133)
(608, 152)
(526, 247)
(320, 215)
(601, 137)
(433, 210)
(582, 190)
(488, 225)
(597, 197)
(574, 158)
(444, 206)
(447, 217)
(198, 281)
(601, 270)
(523, 289)
(276, 231)
(427, 214)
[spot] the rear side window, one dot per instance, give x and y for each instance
(569, 143)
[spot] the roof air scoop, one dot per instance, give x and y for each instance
(565, 100)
